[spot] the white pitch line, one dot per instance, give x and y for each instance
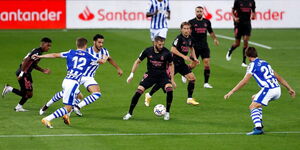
(140, 134)
(250, 42)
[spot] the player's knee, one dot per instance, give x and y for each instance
(29, 94)
(140, 91)
(169, 89)
(192, 81)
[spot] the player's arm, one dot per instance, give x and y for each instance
(285, 84)
(241, 84)
(150, 10)
(193, 55)
(214, 37)
(253, 14)
(171, 66)
(25, 65)
(133, 69)
(176, 52)
(51, 55)
(234, 11)
(112, 62)
(45, 71)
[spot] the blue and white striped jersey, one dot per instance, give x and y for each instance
(78, 62)
(159, 20)
(263, 74)
(91, 71)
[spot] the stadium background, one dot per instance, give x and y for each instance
(215, 124)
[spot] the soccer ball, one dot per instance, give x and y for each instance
(159, 110)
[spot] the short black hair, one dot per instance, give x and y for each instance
(46, 40)
(199, 7)
(159, 38)
(251, 52)
(81, 42)
(98, 36)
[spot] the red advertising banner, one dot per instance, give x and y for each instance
(32, 14)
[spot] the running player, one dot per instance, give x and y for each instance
(78, 62)
(158, 60)
(180, 49)
(243, 11)
(159, 11)
(88, 80)
(200, 27)
(267, 79)
(24, 75)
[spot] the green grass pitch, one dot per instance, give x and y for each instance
(225, 122)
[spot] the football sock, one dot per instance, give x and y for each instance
(244, 55)
(55, 98)
(89, 99)
(232, 48)
(58, 113)
(206, 74)
(77, 101)
(190, 88)
(255, 115)
(154, 89)
(16, 91)
(169, 91)
(134, 100)
(260, 111)
(23, 100)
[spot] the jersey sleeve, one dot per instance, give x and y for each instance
(143, 55)
(250, 68)
(104, 52)
(64, 54)
(169, 57)
(253, 6)
(176, 42)
(235, 5)
(209, 28)
(150, 7)
(168, 6)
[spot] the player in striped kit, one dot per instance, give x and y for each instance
(78, 62)
(159, 11)
(267, 79)
(98, 51)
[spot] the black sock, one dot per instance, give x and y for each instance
(154, 89)
(244, 55)
(169, 99)
(16, 91)
(134, 100)
(23, 101)
(232, 48)
(190, 88)
(206, 75)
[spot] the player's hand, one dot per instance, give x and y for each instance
(196, 61)
(253, 96)
(236, 19)
(228, 95)
(46, 71)
(187, 58)
(130, 77)
(120, 72)
(20, 75)
(35, 57)
(292, 93)
(253, 16)
(216, 42)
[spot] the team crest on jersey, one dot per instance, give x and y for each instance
(250, 4)
(196, 25)
(205, 25)
(150, 56)
(183, 42)
(162, 58)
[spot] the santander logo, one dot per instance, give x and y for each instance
(86, 15)
(207, 15)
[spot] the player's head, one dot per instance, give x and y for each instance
(98, 41)
(251, 52)
(81, 43)
(45, 44)
(159, 42)
(185, 28)
(199, 12)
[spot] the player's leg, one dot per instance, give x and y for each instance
(70, 87)
(57, 96)
(27, 92)
(169, 99)
(246, 39)
(256, 118)
(235, 44)
(148, 96)
(190, 88)
(7, 89)
(206, 72)
(134, 100)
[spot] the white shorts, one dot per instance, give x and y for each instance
(265, 95)
(158, 32)
(69, 87)
(88, 81)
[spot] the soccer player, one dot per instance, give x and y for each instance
(159, 11)
(200, 26)
(78, 62)
(159, 59)
(88, 80)
(180, 49)
(24, 74)
(243, 11)
(267, 79)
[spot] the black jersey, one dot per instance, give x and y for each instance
(32, 63)
(200, 29)
(156, 62)
(243, 9)
(182, 44)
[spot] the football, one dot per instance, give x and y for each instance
(159, 110)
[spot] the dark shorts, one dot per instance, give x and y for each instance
(26, 82)
(183, 69)
(242, 29)
(150, 79)
(202, 50)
